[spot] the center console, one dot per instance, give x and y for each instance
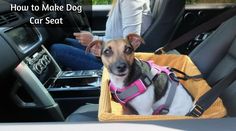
(76, 80)
(70, 89)
(54, 79)
(49, 88)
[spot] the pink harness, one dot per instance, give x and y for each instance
(139, 86)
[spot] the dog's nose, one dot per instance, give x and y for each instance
(121, 67)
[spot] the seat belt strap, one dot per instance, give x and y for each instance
(206, 100)
(207, 26)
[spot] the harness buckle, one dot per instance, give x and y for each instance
(196, 111)
(160, 51)
(173, 77)
(146, 80)
(164, 111)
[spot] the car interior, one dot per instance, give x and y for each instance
(34, 88)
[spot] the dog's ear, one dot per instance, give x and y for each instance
(135, 40)
(95, 47)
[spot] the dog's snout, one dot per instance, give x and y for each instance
(121, 67)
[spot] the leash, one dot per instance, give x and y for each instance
(185, 76)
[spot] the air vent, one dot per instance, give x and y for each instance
(8, 18)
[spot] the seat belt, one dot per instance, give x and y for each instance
(207, 26)
(206, 100)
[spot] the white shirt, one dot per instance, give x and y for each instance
(128, 16)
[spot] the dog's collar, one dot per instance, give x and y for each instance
(140, 85)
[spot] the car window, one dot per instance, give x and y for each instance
(101, 2)
(209, 1)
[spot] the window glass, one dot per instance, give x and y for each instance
(101, 2)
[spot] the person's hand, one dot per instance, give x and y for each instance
(84, 37)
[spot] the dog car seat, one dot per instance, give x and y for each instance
(109, 110)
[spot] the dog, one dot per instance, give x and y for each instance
(124, 69)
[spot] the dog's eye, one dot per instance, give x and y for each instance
(107, 52)
(128, 50)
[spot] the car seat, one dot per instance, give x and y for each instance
(216, 57)
(167, 15)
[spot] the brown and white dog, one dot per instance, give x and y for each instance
(118, 57)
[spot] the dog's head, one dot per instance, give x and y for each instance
(117, 55)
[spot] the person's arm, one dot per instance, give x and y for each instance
(86, 37)
(131, 12)
(131, 18)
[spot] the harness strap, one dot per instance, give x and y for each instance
(164, 109)
(171, 94)
(128, 93)
(185, 76)
(163, 69)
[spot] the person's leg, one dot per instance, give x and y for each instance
(74, 58)
(75, 43)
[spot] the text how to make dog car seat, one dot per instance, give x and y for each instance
(109, 110)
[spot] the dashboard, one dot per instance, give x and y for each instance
(24, 36)
(19, 38)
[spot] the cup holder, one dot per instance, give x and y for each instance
(68, 73)
(81, 74)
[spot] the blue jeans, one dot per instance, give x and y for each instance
(72, 55)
